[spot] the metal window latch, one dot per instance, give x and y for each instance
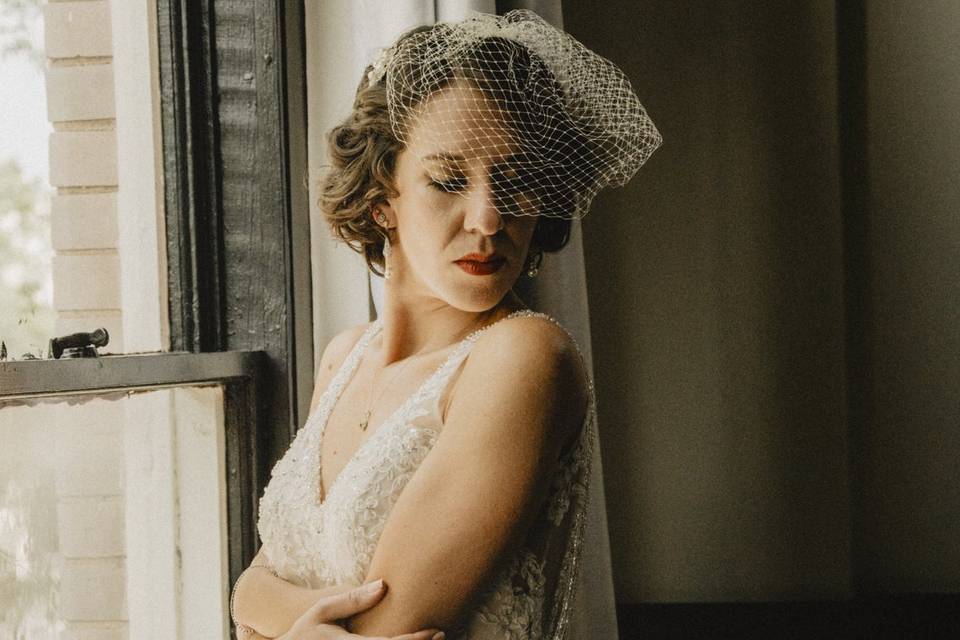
(79, 345)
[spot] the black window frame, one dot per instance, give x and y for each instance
(233, 97)
(233, 103)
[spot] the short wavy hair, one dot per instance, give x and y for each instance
(363, 152)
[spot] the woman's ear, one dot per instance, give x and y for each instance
(387, 210)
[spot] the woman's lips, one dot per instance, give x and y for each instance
(476, 268)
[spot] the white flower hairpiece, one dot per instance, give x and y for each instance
(380, 65)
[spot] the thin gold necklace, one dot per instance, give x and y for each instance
(365, 422)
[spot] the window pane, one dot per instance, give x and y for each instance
(80, 121)
(113, 516)
(26, 287)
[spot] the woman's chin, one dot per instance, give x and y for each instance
(477, 299)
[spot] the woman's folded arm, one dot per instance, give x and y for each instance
(521, 397)
(269, 604)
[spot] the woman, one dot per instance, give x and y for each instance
(460, 481)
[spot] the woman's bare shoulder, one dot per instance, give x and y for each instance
(539, 337)
(544, 351)
(340, 345)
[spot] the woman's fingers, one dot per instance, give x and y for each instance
(346, 604)
(433, 634)
(419, 635)
(322, 616)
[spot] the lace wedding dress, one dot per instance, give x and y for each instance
(317, 544)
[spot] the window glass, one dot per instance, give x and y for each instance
(26, 289)
(113, 515)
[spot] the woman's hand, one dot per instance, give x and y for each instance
(319, 621)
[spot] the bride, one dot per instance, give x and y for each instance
(447, 449)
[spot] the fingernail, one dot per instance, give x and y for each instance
(440, 635)
(373, 587)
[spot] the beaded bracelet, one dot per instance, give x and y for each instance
(244, 631)
(242, 628)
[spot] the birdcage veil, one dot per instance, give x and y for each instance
(512, 105)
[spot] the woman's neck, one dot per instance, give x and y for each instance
(417, 328)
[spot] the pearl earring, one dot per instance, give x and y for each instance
(534, 263)
(381, 219)
(387, 271)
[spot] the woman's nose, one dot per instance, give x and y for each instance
(483, 211)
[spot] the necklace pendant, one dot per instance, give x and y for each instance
(365, 421)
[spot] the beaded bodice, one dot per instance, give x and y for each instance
(316, 544)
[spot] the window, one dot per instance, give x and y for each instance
(234, 259)
(26, 291)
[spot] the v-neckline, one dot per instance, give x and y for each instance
(355, 364)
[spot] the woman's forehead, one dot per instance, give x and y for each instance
(461, 124)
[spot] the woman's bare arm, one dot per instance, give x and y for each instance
(324, 619)
(263, 601)
(270, 605)
(521, 397)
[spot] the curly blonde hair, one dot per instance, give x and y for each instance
(363, 151)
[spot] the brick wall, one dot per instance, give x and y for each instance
(90, 481)
(83, 168)
(86, 294)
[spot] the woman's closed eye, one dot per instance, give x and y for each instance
(450, 184)
(512, 182)
(507, 182)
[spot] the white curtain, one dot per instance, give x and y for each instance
(342, 37)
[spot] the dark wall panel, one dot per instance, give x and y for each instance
(716, 290)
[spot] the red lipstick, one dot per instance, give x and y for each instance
(478, 264)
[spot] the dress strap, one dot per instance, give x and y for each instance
(442, 379)
(346, 369)
(434, 390)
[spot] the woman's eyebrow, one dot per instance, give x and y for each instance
(514, 161)
(445, 157)
(517, 156)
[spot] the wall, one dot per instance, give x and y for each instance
(719, 351)
(778, 373)
(907, 523)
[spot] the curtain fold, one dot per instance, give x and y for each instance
(346, 35)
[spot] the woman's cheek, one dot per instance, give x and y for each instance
(440, 204)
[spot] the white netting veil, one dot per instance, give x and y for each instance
(513, 109)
